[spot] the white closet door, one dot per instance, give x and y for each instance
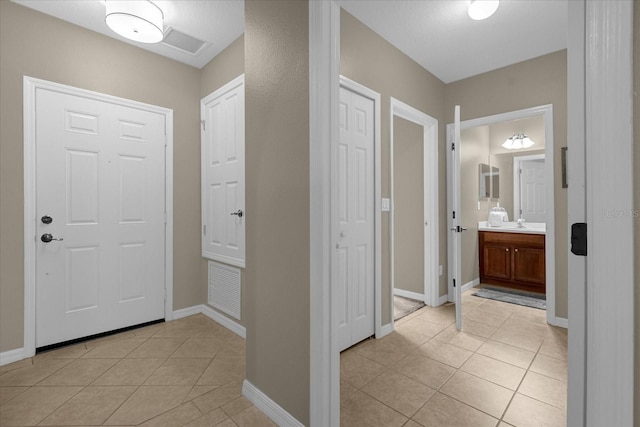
(355, 250)
(223, 181)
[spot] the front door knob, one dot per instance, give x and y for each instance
(46, 219)
(47, 237)
(239, 213)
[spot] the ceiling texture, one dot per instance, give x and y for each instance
(437, 34)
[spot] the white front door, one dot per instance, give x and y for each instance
(533, 191)
(100, 216)
(355, 243)
(223, 180)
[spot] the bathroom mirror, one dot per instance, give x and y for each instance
(489, 181)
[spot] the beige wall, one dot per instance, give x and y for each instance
(408, 205)
(636, 202)
(226, 66)
(531, 83)
(40, 46)
(474, 150)
(371, 61)
(277, 201)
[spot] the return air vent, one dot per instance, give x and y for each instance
(177, 40)
(224, 288)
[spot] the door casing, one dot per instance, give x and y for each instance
(430, 204)
(30, 86)
(546, 111)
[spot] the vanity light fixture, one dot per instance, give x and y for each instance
(137, 20)
(482, 9)
(518, 141)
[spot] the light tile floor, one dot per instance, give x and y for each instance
(506, 368)
(185, 372)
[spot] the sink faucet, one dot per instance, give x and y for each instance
(520, 222)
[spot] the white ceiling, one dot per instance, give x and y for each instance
(437, 34)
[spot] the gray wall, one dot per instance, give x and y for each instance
(371, 61)
(408, 205)
(277, 201)
(40, 46)
(527, 84)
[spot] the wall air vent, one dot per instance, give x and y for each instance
(181, 41)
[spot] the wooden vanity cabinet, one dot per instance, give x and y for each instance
(515, 260)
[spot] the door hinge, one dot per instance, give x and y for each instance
(454, 214)
(454, 283)
(204, 229)
(204, 125)
(453, 146)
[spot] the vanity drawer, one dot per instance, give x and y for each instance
(515, 239)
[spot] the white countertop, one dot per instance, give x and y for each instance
(513, 227)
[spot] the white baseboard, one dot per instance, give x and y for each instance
(471, 284)
(234, 327)
(11, 356)
(408, 294)
(186, 312)
(268, 406)
(385, 330)
(443, 299)
(559, 321)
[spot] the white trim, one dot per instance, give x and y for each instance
(560, 322)
(576, 201)
(30, 85)
(324, 69)
(443, 299)
(270, 408)
(186, 312)
(11, 356)
(516, 181)
(470, 285)
(228, 323)
(610, 215)
(430, 207)
(408, 294)
(546, 111)
(377, 196)
(212, 314)
(385, 330)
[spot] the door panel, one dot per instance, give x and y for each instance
(100, 176)
(354, 249)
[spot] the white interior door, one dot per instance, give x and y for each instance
(223, 180)
(354, 255)
(100, 216)
(455, 227)
(533, 191)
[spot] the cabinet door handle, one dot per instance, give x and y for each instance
(507, 249)
(515, 250)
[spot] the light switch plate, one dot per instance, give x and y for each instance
(385, 204)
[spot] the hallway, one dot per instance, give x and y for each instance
(508, 367)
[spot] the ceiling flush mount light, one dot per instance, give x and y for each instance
(518, 141)
(482, 9)
(138, 20)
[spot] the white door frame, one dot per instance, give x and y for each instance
(30, 86)
(516, 180)
(546, 111)
(431, 260)
(377, 197)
